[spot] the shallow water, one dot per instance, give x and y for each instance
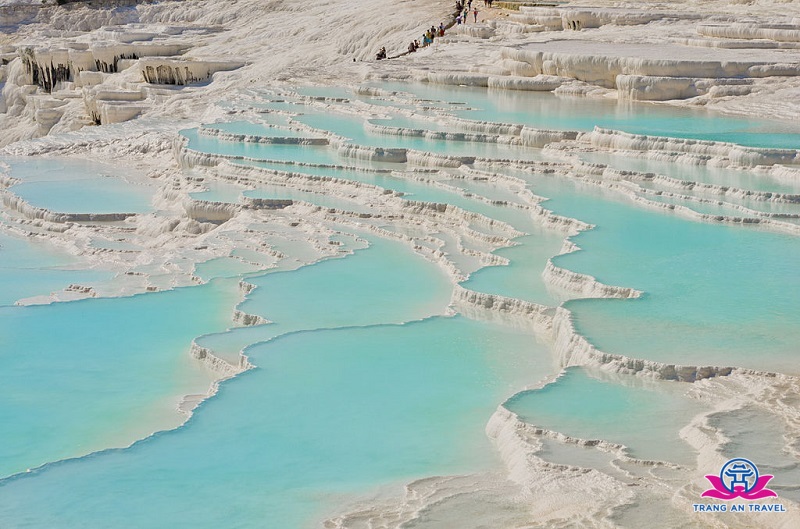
(352, 127)
(371, 287)
(106, 372)
(547, 111)
(257, 129)
(214, 145)
(439, 190)
(750, 426)
(220, 192)
(589, 405)
(76, 186)
(312, 408)
(276, 192)
(29, 269)
(745, 178)
(225, 267)
(713, 293)
(361, 383)
(522, 277)
(702, 207)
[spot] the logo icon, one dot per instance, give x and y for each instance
(739, 478)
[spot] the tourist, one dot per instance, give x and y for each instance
(381, 54)
(475, 14)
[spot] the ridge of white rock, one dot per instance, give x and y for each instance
(99, 64)
(735, 154)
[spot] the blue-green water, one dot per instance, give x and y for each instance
(299, 432)
(547, 111)
(325, 91)
(353, 128)
(75, 186)
(29, 269)
(714, 294)
(225, 267)
(320, 199)
(219, 192)
(589, 405)
(521, 279)
(326, 415)
(307, 153)
(362, 380)
(96, 196)
(370, 287)
(745, 178)
(258, 129)
(412, 189)
(366, 288)
(104, 372)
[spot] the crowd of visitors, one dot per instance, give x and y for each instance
(463, 9)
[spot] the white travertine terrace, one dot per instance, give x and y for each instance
(252, 138)
(736, 154)
(48, 67)
(587, 17)
(182, 72)
(100, 66)
(641, 71)
(774, 32)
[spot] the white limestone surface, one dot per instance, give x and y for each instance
(93, 60)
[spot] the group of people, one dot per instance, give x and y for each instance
(463, 8)
(427, 38)
(464, 11)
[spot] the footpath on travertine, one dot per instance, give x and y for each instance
(484, 14)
